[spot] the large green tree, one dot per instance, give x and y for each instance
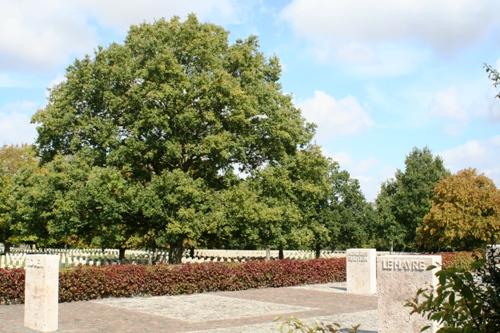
(408, 198)
(175, 105)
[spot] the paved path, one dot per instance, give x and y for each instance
(219, 312)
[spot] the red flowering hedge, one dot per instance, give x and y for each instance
(460, 259)
(85, 283)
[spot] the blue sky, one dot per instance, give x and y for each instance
(377, 77)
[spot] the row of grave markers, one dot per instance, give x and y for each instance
(395, 279)
(96, 257)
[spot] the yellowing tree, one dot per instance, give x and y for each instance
(465, 213)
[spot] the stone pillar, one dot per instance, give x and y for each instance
(398, 279)
(361, 270)
(41, 292)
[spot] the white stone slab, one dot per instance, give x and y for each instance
(201, 307)
(398, 279)
(361, 270)
(41, 293)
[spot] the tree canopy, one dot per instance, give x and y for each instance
(169, 117)
(407, 198)
(13, 160)
(174, 95)
(465, 213)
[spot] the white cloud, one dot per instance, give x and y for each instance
(459, 105)
(370, 172)
(479, 154)
(447, 105)
(372, 35)
(120, 14)
(38, 35)
(495, 141)
(335, 117)
(6, 81)
(41, 35)
(383, 59)
(470, 151)
(15, 127)
(343, 158)
(444, 25)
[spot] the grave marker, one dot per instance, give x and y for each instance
(493, 251)
(41, 292)
(361, 270)
(398, 279)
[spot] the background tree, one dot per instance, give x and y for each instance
(305, 201)
(465, 213)
(12, 160)
(387, 233)
(410, 199)
(39, 205)
(302, 186)
(353, 217)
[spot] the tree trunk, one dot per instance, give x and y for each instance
(191, 252)
(281, 255)
(268, 253)
(6, 247)
(121, 254)
(317, 252)
(175, 253)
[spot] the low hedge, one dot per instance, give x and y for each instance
(461, 259)
(85, 283)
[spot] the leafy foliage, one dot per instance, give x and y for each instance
(465, 213)
(407, 199)
(175, 95)
(12, 159)
(464, 301)
(175, 205)
(84, 283)
(494, 77)
(179, 138)
(389, 234)
(144, 137)
(464, 260)
(295, 325)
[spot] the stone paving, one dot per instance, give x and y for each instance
(245, 311)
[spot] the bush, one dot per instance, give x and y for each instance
(461, 260)
(85, 283)
(11, 286)
(465, 301)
